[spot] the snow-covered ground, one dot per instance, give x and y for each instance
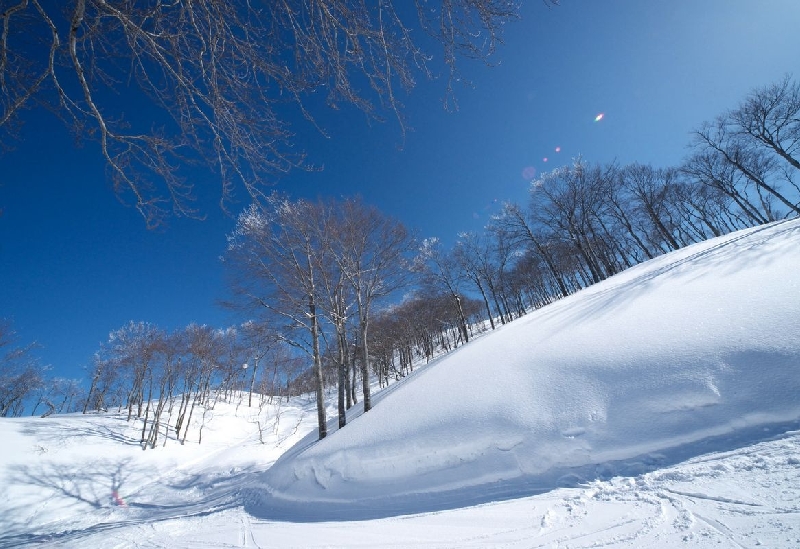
(660, 408)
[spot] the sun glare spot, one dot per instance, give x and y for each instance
(599, 117)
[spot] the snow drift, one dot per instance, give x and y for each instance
(694, 351)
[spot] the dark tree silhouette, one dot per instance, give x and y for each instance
(151, 80)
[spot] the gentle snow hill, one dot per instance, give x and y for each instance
(695, 351)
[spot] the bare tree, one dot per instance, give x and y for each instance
(20, 374)
(59, 395)
(760, 139)
(337, 295)
(274, 255)
(259, 339)
(442, 273)
(709, 167)
(757, 165)
(473, 255)
(771, 116)
(521, 226)
(222, 79)
(371, 249)
(649, 190)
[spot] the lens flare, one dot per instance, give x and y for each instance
(558, 149)
(544, 159)
(599, 117)
(528, 172)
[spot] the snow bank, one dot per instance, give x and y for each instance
(694, 351)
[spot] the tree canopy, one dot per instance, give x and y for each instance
(159, 83)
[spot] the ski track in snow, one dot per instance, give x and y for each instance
(746, 497)
(734, 499)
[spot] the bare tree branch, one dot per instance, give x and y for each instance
(162, 84)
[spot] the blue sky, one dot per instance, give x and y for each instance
(76, 264)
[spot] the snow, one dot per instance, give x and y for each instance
(659, 408)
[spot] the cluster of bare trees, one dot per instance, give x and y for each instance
(314, 271)
(20, 374)
(25, 384)
(420, 327)
(586, 222)
(165, 379)
(751, 154)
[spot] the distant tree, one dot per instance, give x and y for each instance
(59, 395)
(441, 273)
(20, 374)
(570, 201)
(205, 348)
(503, 250)
(133, 348)
(105, 378)
(421, 326)
(258, 340)
(710, 168)
(649, 191)
(522, 227)
(528, 280)
(472, 252)
(169, 348)
(221, 78)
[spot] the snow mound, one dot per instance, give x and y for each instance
(695, 351)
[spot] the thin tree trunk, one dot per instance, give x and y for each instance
(342, 379)
(318, 381)
(365, 365)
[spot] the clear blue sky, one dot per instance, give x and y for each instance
(75, 264)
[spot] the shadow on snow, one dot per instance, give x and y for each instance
(261, 504)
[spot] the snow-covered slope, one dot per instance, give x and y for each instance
(695, 350)
(657, 409)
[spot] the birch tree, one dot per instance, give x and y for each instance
(274, 256)
(371, 249)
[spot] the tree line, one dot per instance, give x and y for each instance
(338, 294)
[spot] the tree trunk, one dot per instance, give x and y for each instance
(252, 383)
(342, 378)
(318, 381)
(365, 365)
(485, 302)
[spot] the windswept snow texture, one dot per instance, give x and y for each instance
(658, 409)
(695, 351)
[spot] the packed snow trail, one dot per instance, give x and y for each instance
(749, 497)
